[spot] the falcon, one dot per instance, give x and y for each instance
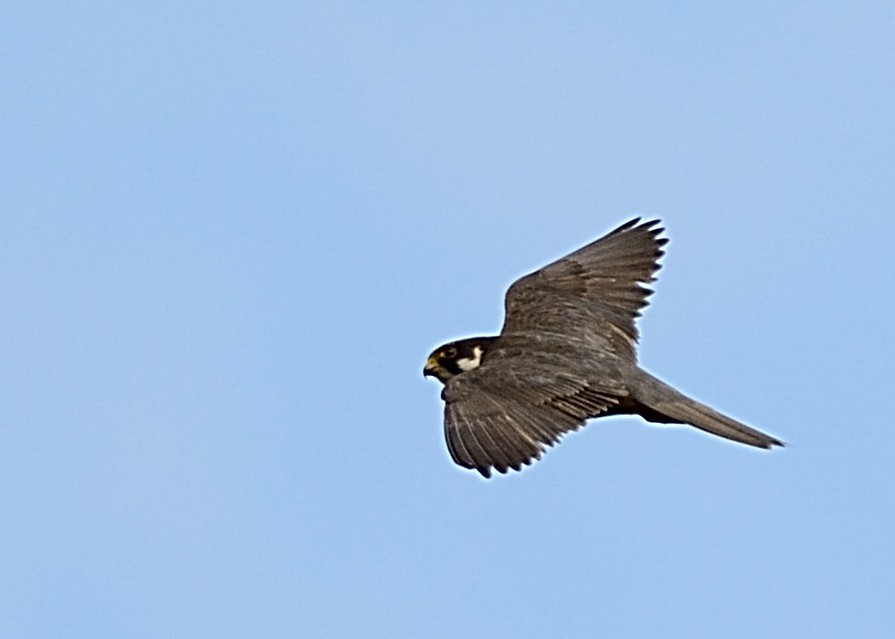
(567, 353)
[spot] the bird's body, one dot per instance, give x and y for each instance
(566, 353)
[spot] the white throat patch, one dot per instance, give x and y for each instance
(469, 363)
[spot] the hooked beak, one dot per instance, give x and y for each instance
(430, 368)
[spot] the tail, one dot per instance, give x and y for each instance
(656, 401)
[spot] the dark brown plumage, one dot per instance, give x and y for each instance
(566, 353)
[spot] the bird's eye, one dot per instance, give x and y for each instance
(449, 353)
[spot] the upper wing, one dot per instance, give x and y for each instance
(507, 411)
(603, 284)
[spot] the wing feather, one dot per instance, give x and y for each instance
(455, 445)
(505, 413)
(601, 287)
(467, 435)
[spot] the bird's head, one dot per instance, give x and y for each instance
(456, 357)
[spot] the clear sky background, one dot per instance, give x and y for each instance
(232, 233)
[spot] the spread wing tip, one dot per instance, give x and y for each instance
(639, 223)
(485, 471)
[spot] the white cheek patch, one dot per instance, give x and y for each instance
(469, 363)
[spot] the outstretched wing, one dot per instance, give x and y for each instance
(603, 283)
(507, 411)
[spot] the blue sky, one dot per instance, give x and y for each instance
(232, 233)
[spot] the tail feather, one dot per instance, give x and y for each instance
(656, 401)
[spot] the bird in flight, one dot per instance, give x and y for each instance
(566, 354)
